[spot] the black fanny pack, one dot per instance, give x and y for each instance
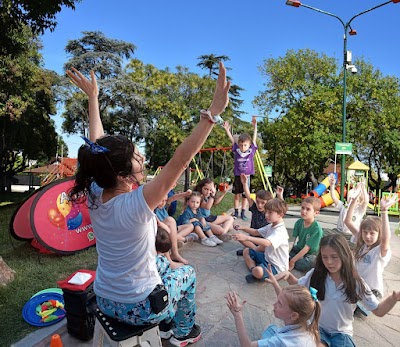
(158, 298)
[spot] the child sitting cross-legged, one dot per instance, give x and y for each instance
(308, 234)
(257, 209)
(192, 215)
(272, 248)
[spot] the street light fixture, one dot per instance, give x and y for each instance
(346, 65)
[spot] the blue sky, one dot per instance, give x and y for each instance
(171, 33)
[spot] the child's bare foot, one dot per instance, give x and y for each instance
(175, 264)
(178, 258)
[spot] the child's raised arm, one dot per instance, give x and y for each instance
(89, 87)
(385, 239)
(254, 122)
(179, 196)
(332, 182)
(349, 215)
(272, 279)
(227, 128)
(236, 309)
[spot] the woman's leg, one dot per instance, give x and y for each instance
(181, 287)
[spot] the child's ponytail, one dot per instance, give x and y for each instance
(313, 326)
(305, 303)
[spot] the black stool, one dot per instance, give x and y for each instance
(121, 334)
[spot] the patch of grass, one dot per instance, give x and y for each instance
(34, 272)
(12, 198)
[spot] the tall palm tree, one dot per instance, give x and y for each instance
(210, 62)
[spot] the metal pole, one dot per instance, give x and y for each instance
(343, 165)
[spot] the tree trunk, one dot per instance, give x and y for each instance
(6, 273)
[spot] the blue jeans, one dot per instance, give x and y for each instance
(180, 284)
(336, 339)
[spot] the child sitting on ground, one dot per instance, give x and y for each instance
(219, 224)
(272, 248)
(257, 209)
(296, 306)
(163, 247)
(193, 215)
(308, 233)
(176, 233)
(358, 214)
(244, 151)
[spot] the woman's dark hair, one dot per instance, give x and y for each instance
(102, 168)
(163, 241)
(352, 282)
(201, 184)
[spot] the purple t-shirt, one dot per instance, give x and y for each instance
(244, 162)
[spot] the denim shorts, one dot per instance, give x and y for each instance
(259, 259)
(336, 339)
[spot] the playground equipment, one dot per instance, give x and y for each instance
(318, 192)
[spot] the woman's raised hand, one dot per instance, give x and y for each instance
(221, 98)
(89, 87)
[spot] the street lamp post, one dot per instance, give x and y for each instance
(346, 27)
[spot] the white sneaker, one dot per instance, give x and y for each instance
(216, 240)
(208, 242)
(192, 237)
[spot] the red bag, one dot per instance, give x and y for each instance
(63, 284)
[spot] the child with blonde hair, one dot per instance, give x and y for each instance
(296, 306)
(372, 251)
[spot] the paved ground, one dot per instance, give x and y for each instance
(219, 270)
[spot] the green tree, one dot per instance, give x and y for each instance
(210, 62)
(374, 106)
(16, 15)
(120, 106)
(302, 95)
(26, 101)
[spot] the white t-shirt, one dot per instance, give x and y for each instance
(278, 253)
(125, 230)
(371, 266)
(286, 336)
(336, 312)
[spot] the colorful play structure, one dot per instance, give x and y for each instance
(356, 172)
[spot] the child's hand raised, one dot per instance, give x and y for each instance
(271, 277)
(254, 120)
(389, 201)
(332, 179)
(232, 301)
(227, 126)
(243, 178)
(279, 192)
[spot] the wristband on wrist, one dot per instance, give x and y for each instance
(212, 119)
(384, 211)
